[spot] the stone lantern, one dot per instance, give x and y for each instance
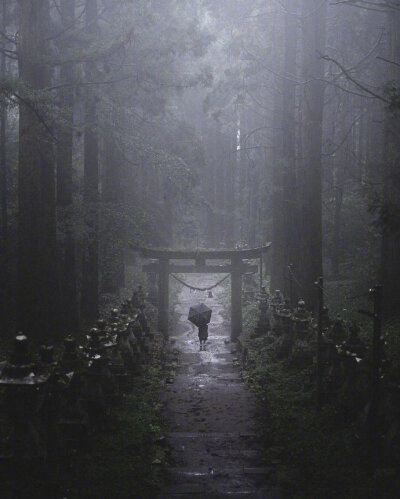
(73, 417)
(283, 318)
(337, 332)
(302, 319)
(277, 300)
(23, 399)
(125, 348)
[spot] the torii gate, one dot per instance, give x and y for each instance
(164, 267)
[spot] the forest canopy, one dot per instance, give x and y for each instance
(204, 123)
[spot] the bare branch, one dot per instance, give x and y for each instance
(369, 5)
(387, 60)
(353, 80)
(352, 92)
(67, 28)
(35, 111)
(338, 146)
(88, 83)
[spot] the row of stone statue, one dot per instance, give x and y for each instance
(294, 333)
(350, 374)
(58, 397)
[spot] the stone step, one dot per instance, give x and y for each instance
(212, 441)
(222, 472)
(196, 450)
(212, 435)
(215, 375)
(222, 479)
(182, 491)
(216, 459)
(247, 494)
(230, 453)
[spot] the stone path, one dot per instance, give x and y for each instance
(214, 449)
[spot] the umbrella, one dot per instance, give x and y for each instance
(200, 315)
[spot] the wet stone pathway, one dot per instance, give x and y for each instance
(211, 414)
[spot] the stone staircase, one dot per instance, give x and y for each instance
(214, 450)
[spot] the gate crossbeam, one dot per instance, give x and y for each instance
(245, 254)
(206, 269)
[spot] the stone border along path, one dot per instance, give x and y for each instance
(211, 414)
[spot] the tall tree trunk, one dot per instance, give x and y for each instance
(242, 182)
(253, 203)
(236, 166)
(219, 161)
(230, 174)
(314, 20)
(37, 273)
(226, 178)
(112, 275)
(168, 196)
(69, 299)
(336, 178)
(90, 269)
(210, 185)
(290, 200)
(337, 220)
(278, 236)
(391, 194)
(4, 245)
(278, 230)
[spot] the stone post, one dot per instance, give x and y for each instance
(163, 295)
(236, 297)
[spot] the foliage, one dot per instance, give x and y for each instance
(127, 459)
(317, 454)
(392, 345)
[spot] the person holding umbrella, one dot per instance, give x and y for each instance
(200, 316)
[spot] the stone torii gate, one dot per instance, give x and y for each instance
(165, 265)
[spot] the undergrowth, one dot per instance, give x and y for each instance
(127, 460)
(318, 454)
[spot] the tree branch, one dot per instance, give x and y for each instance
(389, 61)
(353, 80)
(38, 115)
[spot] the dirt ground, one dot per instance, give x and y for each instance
(211, 413)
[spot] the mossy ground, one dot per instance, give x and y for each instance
(318, 454)
(128, 460)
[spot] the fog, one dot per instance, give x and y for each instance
(240, 153)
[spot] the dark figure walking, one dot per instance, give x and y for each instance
(203, 335)
(200, 316)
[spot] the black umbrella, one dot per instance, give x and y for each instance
(200, 315)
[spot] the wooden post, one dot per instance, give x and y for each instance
(290, 268)
(320, 284)
(377, 340)
(163, 295)
(376, 362)
(236, 298)
(374, 420)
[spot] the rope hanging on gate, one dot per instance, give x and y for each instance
(200, 289)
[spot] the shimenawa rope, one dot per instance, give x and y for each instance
(200, 289)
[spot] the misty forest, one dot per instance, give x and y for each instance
(200, 249)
